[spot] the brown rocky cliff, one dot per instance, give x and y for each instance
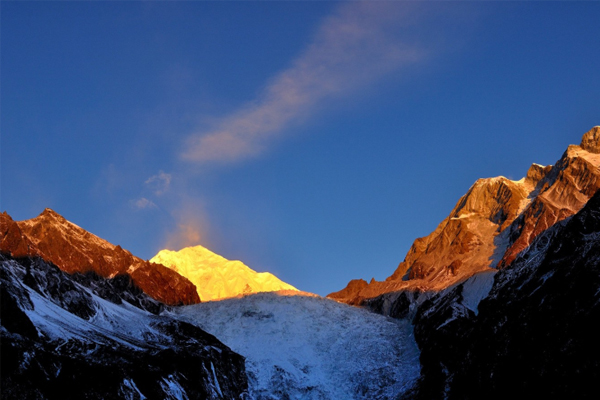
(495, 220)
(350, 291)
(12, 240)
(572, 182)
(591, 140)
(460, 246)
(463, 243)
(73, 249)
(164, 284)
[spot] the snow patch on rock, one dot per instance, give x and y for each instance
(477, 288)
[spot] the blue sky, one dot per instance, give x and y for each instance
(315, 140)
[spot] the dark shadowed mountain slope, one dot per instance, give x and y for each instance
(59, 340)
(534, 334)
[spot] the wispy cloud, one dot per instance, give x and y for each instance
(143, 204)
(358, 44)
(159, 184)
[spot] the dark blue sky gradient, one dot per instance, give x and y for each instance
(97, 97)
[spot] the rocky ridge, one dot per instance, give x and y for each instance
(75, 250)
(494, 221)
(60, 340)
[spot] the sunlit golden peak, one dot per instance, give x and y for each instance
(216, 277)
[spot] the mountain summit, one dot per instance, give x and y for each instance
(492, 223)
(216, 277)
(591, 140)
(75, 250)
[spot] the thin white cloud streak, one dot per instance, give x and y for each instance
(143, 204)
(358, 44)
(159, 183)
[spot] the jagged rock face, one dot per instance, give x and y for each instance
(492, 223)
(402, 304)
(566, 189)
(350, 292)
(117, 290)
(12, 240)
(461, 245)
(216, 277)
(75, 250)
(534, 333)
(463, 242)
(59, 340)
(591, 140)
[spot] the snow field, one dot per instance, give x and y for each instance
(299, 347)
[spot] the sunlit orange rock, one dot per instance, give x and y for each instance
(573, 181)
(12, 240)
(73, 249)
(216, 277)
(494, 221)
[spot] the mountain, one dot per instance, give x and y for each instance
(313, 348)
(73, 249)
(216, 277)
(491, 224)
(173, 278)
(61, 329)
(530, 331)
(502, 299)
(504, 295)
(76, 336)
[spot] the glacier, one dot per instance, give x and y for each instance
(313, 348)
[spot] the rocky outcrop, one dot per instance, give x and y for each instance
(351, 290)
(492, 223)
(117, 290)
(12, 240)
(216, 277)
(532, 334)
(564, 191)
(59, 340)
(591, 140)
(75, 250)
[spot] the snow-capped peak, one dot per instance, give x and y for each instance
(216, 277)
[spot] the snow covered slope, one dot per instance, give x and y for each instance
(74, 336)
(216, 277)
(300, 347)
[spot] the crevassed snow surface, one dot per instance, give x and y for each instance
(299, 347)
